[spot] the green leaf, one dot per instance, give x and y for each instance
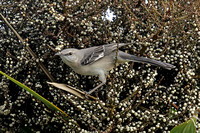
(186, 127)
(35, 94)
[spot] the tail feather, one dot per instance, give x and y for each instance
(125, 56)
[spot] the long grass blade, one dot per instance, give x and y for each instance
(35, 94)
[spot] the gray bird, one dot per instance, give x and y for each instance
(99, 60)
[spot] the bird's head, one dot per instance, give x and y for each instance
(69, 56)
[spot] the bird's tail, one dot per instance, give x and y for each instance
(127, 57)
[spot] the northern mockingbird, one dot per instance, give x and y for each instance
(99, 60)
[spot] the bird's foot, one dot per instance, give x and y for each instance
(86, 94)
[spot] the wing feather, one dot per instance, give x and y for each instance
(99, 52)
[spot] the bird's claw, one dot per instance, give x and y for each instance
(86, 94)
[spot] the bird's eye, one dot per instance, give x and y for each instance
(67, 54)
(70, 53)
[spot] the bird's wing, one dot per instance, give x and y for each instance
(99, 52)
(93, 55)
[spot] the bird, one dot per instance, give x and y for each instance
(99, 60)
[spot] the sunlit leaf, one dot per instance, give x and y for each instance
(68, 89)
(71, 90)
(186, 127)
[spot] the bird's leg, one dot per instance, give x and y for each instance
(94, 89)
(102, 78)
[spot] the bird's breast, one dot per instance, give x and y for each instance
(105, 64)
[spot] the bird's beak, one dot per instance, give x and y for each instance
(59, 53)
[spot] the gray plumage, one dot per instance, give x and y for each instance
(99, 60)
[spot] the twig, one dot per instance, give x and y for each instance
(124, 3)
(149, 93)
(29, 49)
